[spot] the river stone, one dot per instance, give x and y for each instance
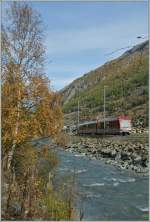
(137, 160)
(106, 153)
(74, 146)
(144, 163)
(122, 167)
(134, 155)
(108, 161)
(139, 170)
(124, 156)
(130, 149)
(94, 152)
(113, 153)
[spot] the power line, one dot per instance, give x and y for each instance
(127, 47)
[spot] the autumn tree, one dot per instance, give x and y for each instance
(30, 109)
(22, 57)
(27, 101)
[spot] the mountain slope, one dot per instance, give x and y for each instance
(126, 85)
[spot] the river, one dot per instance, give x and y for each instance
(105, 192)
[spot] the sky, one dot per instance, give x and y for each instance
(80, 35)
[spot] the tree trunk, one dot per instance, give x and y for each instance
(23, 201)
(12, 150)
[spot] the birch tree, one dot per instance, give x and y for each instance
(29, 107)
(22, 58)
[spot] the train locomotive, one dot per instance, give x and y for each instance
(120, 125)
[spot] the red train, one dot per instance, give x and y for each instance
(113, 126)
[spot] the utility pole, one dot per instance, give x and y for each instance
(104, 108)
(122, 89)
(78, 113)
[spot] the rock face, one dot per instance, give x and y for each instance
(125, 155)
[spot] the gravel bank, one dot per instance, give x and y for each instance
(123, 154)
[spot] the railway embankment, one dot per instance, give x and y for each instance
(126, 153)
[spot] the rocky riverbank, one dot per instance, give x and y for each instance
(123, 154)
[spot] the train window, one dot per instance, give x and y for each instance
(92, 126)
(111, 125)
(114, 124)
(107, 124)
(101, 125)
(83, 127)
(125, 123)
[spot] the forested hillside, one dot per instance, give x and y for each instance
(126, 86)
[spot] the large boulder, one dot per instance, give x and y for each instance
(113, 153)
(137, 160)
(106, 152)
(124, 156)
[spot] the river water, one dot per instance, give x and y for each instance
(103, 191)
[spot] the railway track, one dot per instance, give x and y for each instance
(144, 138)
